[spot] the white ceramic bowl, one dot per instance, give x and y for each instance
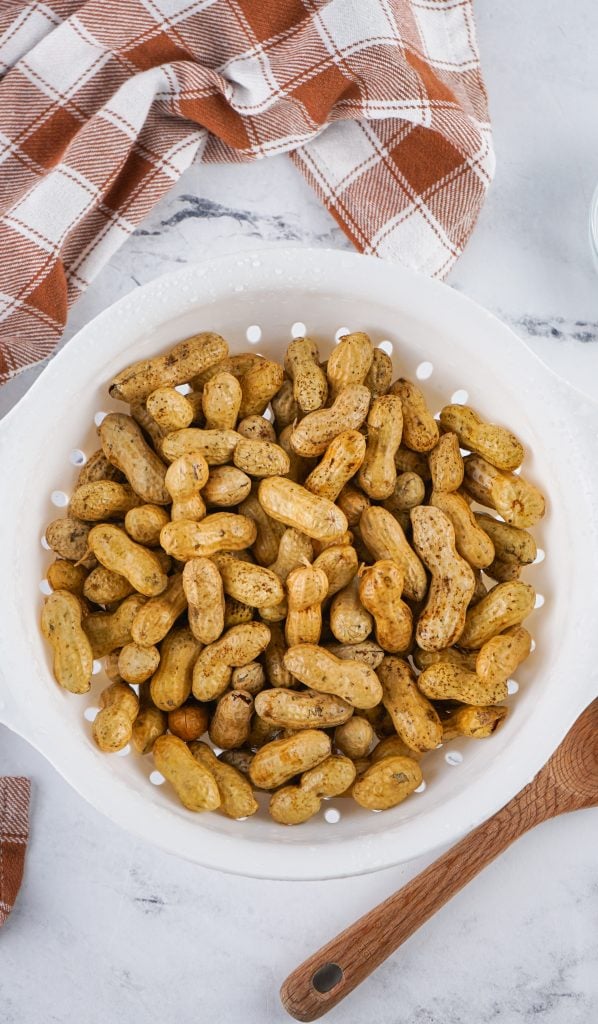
(430, 329)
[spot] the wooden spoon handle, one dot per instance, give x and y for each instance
(336, 969)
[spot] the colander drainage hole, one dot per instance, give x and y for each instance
(332, 815)
(99, 417)
(253, 334)
(341, 333)
(77, 457)
(327, 977)
(90, 714)
(460, 397)
(125, 750)
(45, 587)
(420, 788)
(386, 346)
(454, 757)
(59, 499)
(424, 370)
(539, 600)
(156, 778)
(540, 556)
(298, 330)
(512, 686)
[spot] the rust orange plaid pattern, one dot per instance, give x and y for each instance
(14, 832)
(103, 105)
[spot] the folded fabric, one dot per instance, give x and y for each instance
(103, 105)
(14, 833)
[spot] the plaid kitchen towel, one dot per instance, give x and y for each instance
(104, 104)
(14, 832)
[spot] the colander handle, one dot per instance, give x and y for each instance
(14, 645)
(9, 712)
(585, 411)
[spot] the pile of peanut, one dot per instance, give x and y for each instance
(286, 558)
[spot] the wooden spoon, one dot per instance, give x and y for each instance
(567, 782)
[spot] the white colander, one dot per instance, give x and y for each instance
(435, 335)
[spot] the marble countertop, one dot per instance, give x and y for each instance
(108, 928)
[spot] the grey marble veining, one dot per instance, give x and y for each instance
(262, 226)
(109, 929)
(558, 327)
